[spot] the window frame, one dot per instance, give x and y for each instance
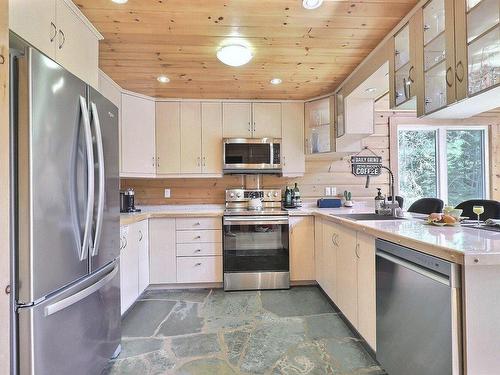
(441, 152)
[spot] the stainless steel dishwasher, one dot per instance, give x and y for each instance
(418, 312)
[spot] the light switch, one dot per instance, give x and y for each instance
(333, 190)
(328, 191)
(167, 193)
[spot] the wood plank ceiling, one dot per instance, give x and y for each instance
(312, 51)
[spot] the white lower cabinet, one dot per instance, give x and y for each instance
(162, 261)
(345, 269)
(142, 234)
(302, 248)
(199, 269)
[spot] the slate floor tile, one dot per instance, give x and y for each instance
(187, 295)
(349, 354)
(299, 301)
(209, 366)
(182, 320)
(327, 326)
(195, 345)
(134, 347)
(145, 317)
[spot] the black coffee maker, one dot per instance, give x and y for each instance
(127, 201)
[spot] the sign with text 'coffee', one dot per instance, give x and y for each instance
(366, 165)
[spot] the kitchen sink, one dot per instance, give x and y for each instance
(358, 217)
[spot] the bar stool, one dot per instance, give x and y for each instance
(427, 206)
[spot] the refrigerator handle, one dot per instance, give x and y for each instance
(90, 179)
(71, 300)
(102, 180)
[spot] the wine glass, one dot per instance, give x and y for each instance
(478, 210)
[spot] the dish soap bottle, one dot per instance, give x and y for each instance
(296, 196)
(379, 201)
(288, 197)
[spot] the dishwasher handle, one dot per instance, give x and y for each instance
(415, 268)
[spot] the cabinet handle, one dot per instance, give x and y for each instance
(204, 161)
(249, 127)
(197, 251)
(140, 235)
(125, 242)
(2, 60)
(396, 52)
(121, 242)
(54, 30)
(63, 40)
(461, 77)
(357, 251)
(198, 161)
(410, 78)
(197, 264)
(447, 73)
(154, 161)
(197, 223)
(405, 88)
(158, 161)
(254, 126)
(426, 27)
(197, 237)
(284, 161)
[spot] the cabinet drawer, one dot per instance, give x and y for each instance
(198, 223)
(198, 249)
(199, 236)
(199, 269)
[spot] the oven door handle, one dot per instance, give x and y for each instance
(239, 220)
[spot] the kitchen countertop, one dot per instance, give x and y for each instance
(456, 244)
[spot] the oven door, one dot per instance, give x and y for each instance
(256, 252)
(251, 155)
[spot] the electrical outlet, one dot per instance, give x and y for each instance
(333, 190)
(167, 193)
(328, 191)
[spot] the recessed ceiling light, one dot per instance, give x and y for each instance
(163, 79)
(311, 4)
(371, 89)
(234, 54)
(276, 81)
(119, 1)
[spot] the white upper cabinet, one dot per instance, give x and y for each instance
(61, 31)
(168, 138)
(190, 137)
(35, 21)
(317, 126)
(137, 136)
(293, 158)
(237, 120)
(211, 136)
(266, 120)
(77, 48)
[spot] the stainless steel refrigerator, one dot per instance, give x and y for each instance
(65, 207)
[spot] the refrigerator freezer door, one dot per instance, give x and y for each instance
(75, 332)
(106, 227)
(54, 154)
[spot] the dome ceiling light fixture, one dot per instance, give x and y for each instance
(234, 54)
(311, 4)
(119, 1)
(276, 81)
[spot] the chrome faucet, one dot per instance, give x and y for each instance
(394, 205)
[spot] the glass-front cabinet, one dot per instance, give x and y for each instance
(318, 127)
(446, 57)
(483, 45)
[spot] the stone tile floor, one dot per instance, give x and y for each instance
(205, 332)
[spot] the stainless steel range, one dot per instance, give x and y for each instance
(256, 251)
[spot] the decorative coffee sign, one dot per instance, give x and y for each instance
(366, 165)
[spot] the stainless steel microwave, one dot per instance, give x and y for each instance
(252, 155)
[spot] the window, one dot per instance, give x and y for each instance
(442, 161)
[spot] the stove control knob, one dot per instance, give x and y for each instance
(238, 195)
(269, 194)
(275, 194)
(231, 195)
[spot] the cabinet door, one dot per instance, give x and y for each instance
(211, 137)
(129, 281)
(168, 137)
(319, 256)
(237, 119)
(367, 318)
(77, 46)
(330, 249)
(347, 280)
(267, 120)
(190, 137)
(302, 248)
(143, 254)
(162, 259)
(292, 154)
(137, 136)
(35, 21)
